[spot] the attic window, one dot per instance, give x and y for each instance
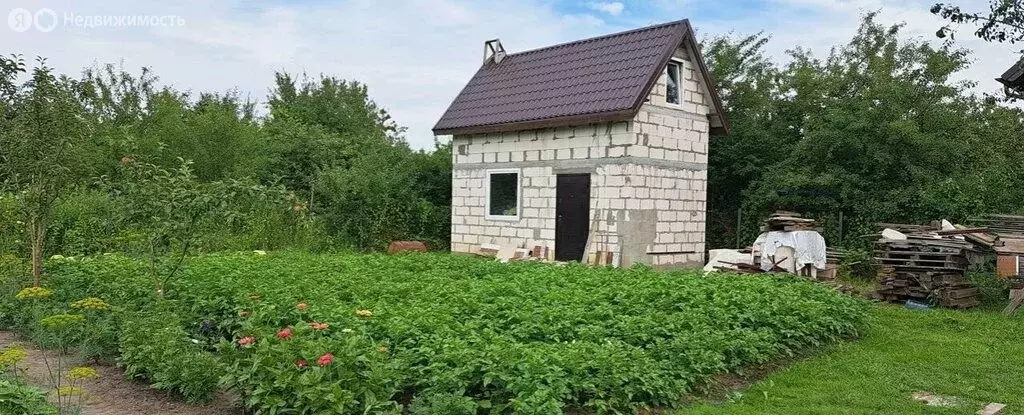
(672, 83)
(503, 194)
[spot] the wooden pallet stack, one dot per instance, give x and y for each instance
(926, 268)
(786, 221)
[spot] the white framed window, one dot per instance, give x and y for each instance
(673, 70)
(503, 194)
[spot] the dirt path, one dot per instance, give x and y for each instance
(112, 394)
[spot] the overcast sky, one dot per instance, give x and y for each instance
(414, 55)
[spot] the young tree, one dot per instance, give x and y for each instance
(168, 206)
(44, 138)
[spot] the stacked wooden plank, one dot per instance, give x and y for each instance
(788, 221)
(925, 267)
(1009, 226)
(1004, 237)
(834, 256)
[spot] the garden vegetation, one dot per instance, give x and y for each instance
(351, 333)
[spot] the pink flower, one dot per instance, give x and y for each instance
(325, 360)
(301, 307)
(246, 341)
(301, 364)
(285, 333)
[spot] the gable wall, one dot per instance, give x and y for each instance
(679, 135)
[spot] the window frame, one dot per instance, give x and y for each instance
(679, 81)
(519, 195)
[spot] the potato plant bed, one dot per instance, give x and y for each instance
(354, 333)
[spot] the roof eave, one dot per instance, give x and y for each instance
(582, 119)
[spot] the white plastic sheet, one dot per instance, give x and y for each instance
(808, 246)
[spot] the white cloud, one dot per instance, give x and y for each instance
(821, 24)
(415, 57)
(613, 8)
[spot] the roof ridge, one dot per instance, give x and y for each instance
(602, 37)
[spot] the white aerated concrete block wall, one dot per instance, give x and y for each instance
(649, 214)
(538, 155)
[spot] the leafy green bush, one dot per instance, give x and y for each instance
(308, 368)
(12, 231)
(83, 223)
(521, 337)
(994, 291)
(155, 346)
(443, 404)
(858, 264)
(18, 398)
(14, 273)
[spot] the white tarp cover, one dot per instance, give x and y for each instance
(808, 245)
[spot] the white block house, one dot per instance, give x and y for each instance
(598, 146)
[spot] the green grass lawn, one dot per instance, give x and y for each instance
(977, 356)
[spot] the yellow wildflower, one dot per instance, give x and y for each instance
(70, 391)
(58, 321)
(11, 356)
(83, 372)
(91, 303)
(364, 313)
(33, 293)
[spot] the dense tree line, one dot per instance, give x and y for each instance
(324, 168)
(876, 131)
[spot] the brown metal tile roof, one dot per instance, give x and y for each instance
(601, 79)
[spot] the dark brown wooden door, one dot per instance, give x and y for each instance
(572, 216)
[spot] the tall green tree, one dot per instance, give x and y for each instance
(321, 124)
(750, 86)
(877, 130)
(1003, 22)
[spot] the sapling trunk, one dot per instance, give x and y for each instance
(37, 229)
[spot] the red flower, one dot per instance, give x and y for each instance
(319, 326)
(285, 333)
(325, 360)
(301, 364)
(245, 313)
(246, 341)
(301, 306)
